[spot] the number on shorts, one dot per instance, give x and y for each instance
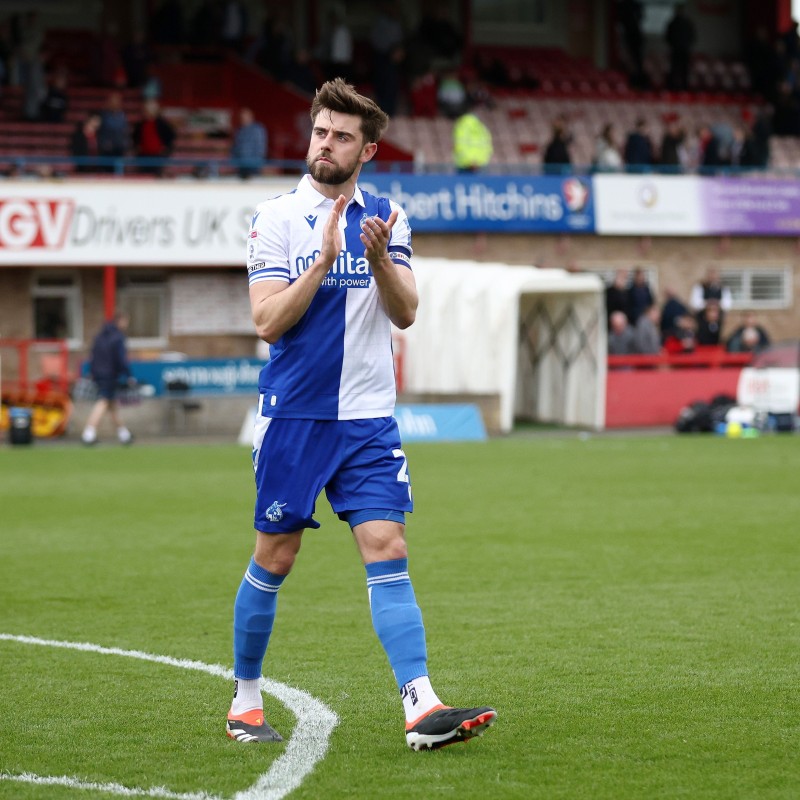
(402, 475)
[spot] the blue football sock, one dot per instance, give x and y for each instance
(253, 615)
(397, 619)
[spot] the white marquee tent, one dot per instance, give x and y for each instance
(535, 337)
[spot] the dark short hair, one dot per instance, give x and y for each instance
(338, 95)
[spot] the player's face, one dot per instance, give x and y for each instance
(337, 147)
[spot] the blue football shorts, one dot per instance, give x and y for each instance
(359, 463)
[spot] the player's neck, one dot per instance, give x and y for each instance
(332, 191)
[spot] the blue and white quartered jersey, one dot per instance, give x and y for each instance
(336, 362)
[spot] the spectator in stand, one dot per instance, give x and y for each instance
(114, 133)
(29, 39)
(6, 53)
(786, 119)
(695, 146)
(683, 336)
(556, 155)
(680, 35)
(438, 38)
(646, 334)
(710, 289)
(629, 13)
(672, 155)
(153, 138)
(422, 95)
(672, 309)
(167, 23)
(745, 150)
(340, 46)
(136, 60)
(387, 38)
(472, 143)
(249, 147)
(748, 337)
(761, 64)
(107, 67)
(791, 41)
(620, 336)
(205, 24)
(759, 130)
(151, 90)
(56, 100)
(274, 48)
(233, 25)
(638, 153)
(709, 324)
(607, 157)
(84, 143)
(451, 94)
(301, 74)
(617, 295)
(719, 149)
(640, 295)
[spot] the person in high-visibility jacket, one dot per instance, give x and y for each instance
(472, 143)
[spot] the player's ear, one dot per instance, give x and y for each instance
(368, 152)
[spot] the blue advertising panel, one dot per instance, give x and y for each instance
(491, 203)
(208, 376)
(440, 422)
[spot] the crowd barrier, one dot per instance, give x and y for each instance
(650, 390)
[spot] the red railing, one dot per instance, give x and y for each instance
(704, 356)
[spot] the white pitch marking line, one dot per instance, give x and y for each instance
(307, 746)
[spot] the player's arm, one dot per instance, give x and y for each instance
(277, 306)
(396, 285)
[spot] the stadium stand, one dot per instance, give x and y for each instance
(528, 89)
(521, 126)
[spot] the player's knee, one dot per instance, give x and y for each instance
(386, 550)
(276, 553)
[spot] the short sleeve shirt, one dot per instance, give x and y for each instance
(336, 362)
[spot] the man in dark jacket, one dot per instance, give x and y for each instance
(108, 367)
(638, 152)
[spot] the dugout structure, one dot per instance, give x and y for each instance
(534, 337)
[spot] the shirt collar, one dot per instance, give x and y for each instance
(307, 191)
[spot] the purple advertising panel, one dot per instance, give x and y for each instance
(757, 206)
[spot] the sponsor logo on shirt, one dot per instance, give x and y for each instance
(255, 267)
(311, 219)
(345, 264)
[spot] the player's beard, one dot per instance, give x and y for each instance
(331, 174)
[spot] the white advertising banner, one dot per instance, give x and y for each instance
(775, 390)
(648, 205)
(103, 222)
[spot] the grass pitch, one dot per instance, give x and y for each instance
(629, 605)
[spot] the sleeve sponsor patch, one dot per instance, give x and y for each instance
(400, 253)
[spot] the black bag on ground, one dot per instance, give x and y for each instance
(702, 417)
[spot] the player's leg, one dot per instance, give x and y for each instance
(397, 620)
(253, 617)
(287, 465)
(372, 492)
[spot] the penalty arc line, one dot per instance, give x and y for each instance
(307, 745)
